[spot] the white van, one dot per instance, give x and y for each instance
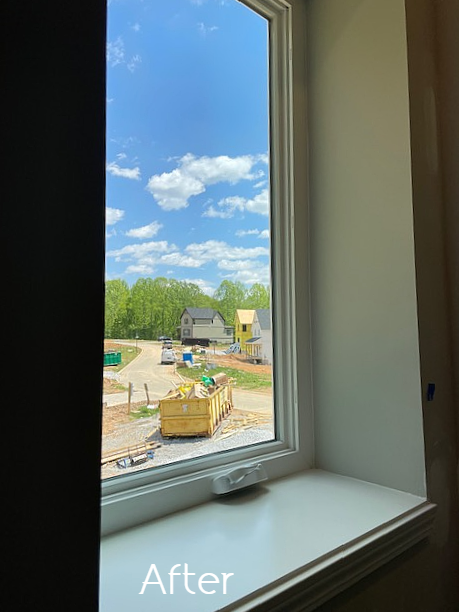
(168, 356)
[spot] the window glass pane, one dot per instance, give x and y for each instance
(188, 233)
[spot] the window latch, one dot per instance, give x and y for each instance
(239, 478)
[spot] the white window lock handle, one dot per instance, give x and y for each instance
(239, 478)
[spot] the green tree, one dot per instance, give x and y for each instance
(258, 296)
(146, 300)
(117, 308)
(230, 296)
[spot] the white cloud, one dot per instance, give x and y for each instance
(229, 206)
(212, 212)
(204, 285)
(204, 29)
(214, 250)
(235, 264)
(125, 143)
(130, 173)
(253, 232)
(116, 55)
(132, 63)
(147, 231)
(136, 27)
(242, 263)
(181, 260)
(211, 170)
(241, 233)
(115, 52)
(264, 157)
(113, 215)
(256, 274)
(172, 190)
(137, 251)
(142, 269)
(260, 184)
(259, 204)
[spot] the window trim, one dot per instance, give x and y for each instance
(130, 499)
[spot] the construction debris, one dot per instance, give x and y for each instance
(125, 455)
(241, 420)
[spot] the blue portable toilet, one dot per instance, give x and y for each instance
(188, 357)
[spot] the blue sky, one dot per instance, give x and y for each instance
(187, 142)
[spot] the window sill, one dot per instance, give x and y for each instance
(291, 545)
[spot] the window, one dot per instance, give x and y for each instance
(358, 259)
(291, 446)
(244, 328)
(179, 191)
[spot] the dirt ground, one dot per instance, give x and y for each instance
(239, 362)
(112, 416)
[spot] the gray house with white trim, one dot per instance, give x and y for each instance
(205, 323)
(260, 347)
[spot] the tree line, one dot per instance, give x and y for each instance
(151, 307)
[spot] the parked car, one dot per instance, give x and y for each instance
(168, 356)
(163, 338)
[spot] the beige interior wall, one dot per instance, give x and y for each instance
(367, 391)
(425, 579)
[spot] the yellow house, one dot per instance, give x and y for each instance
(243, 326)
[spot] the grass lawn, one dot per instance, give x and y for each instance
(243, 380)
(128, 353)
(143, 412)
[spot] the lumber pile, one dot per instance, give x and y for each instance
(129, 451)
(240, 420)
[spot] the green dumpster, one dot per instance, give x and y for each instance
(112, 358)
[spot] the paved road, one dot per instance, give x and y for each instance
(146, 368)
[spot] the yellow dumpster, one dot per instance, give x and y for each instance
(194, 411)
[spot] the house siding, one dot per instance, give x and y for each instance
(213, 328)
(243, 318)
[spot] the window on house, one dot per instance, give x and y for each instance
(202, 227)
(244, 328)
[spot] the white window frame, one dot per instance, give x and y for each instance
(131, 499)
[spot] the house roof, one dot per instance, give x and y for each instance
(245, 316)
(202, 313)
(264, 318)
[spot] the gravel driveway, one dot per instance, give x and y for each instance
(177, 449)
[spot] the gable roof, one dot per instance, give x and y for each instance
(264, 318)
(202, 313)
(245, 316)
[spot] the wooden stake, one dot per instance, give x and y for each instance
(129, 397)
(146, 393)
